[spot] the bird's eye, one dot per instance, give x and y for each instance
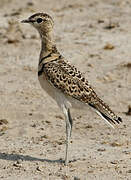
(39, 20)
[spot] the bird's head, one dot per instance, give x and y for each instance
(41, 21)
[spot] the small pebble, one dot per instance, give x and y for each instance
(114, 162)
(129, 171)
(109, 46)
(101, 149)
(76, 178)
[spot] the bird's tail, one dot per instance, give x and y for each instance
(105, 112)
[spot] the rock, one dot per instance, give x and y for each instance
(76, 178)
(128, 113)
(115, 144)
(59, 117)
(109, 46)
(88, 126)
(129, 171)
(114, 162)
(101, 149)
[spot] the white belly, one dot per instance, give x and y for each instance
(46, 85)
(55, 93)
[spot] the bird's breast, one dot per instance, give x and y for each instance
(55, 93)
(46, 85)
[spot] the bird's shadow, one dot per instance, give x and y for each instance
(16, 157)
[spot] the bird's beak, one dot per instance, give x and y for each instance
(26, 21)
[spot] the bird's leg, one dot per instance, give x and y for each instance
(70, 120)
(69, 124)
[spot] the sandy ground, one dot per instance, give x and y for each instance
(95, 35)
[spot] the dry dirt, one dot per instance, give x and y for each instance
(95, 35)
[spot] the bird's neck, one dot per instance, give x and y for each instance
(47, 44)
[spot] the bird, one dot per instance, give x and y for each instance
(63, 81)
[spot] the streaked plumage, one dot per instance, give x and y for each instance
(62, 81)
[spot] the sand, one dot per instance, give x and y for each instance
(95, 36)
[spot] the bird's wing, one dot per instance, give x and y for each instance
(70, 81)
(67, 79)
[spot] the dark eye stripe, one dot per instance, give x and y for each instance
(39, 20)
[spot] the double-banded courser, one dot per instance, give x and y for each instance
(62, 81)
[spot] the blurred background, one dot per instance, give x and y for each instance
(95, 36)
